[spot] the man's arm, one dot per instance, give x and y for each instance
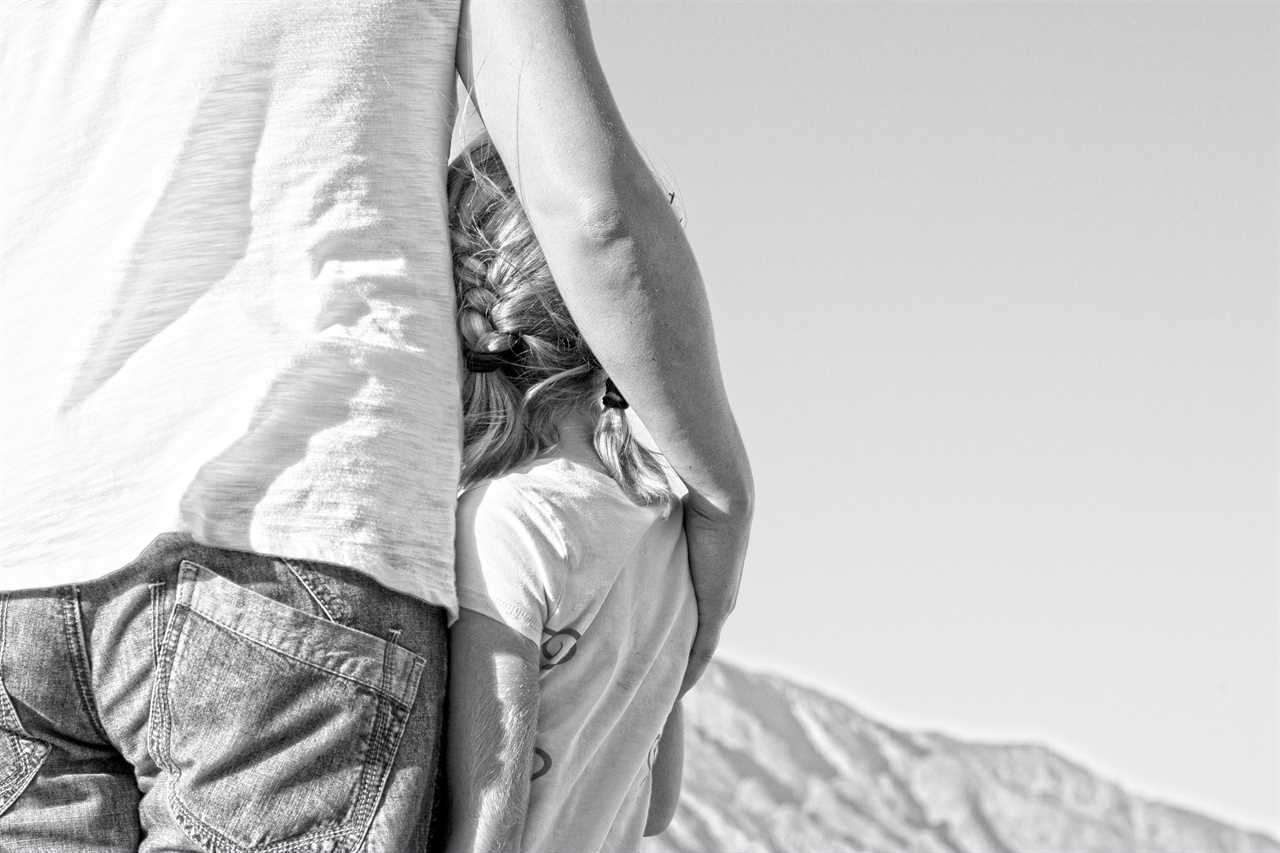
(622, 263)
(493, 705)
(667, 771)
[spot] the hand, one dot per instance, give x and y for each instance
(717, 540)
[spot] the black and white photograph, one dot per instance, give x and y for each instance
(639, 426)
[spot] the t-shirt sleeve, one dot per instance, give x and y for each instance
(510, 555)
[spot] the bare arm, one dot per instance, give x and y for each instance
(493, 703)
(667, 771)
(622, 263)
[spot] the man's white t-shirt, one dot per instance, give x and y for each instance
(227, 284)
(556, 551)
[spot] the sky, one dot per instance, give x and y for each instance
(995, 288)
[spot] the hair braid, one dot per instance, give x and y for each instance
(508, 305)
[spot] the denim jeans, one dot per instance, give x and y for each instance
(200, 699)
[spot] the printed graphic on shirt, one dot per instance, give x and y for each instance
(541, 763)
(558, 646)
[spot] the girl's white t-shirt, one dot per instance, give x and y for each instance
(227, 284)
(556, 551)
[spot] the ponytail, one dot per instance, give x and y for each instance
(635, 468)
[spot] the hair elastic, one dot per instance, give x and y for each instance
(483, 362)
(613, 398)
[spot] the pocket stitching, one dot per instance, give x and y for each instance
(207, 602)
(382, 689)
(29, 752)
(384, 727)
(24, 752)
(375, 765)
(28, 766)
(192, 823)
(202, 833)
(333, 607)
(161, 714)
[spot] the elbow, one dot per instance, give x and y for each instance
(741, 497)
(590, 223)
(735, 493)
(727, 496)
(602, 217)
(624, 205)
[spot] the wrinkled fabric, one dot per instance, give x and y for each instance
(225, 268)
(214, 701)
(557, 552)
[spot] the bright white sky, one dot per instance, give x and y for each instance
(996, 296)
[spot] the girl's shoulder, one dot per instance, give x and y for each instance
(517, 494)
(562, 494)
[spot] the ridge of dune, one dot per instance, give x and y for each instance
(775, 767)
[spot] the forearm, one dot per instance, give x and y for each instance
(630, 280)
(639, 302)
(622, 263)
(492, 721)
(618, 254)
(488, 785)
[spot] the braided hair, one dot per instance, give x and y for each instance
(527, 365)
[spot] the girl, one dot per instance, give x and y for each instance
(577, 611)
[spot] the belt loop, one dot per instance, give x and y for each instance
(159, 619)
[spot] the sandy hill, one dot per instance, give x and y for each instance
(773, 767)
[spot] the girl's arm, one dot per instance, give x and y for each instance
(667, 770)
(492, 720)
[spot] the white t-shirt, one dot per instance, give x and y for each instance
(557, 551)
(227, 285)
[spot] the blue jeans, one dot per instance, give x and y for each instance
(209, 700)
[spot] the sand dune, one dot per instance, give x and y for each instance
(773, 767)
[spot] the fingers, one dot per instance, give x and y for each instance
(717, 546)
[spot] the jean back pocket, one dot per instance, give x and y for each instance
(277, 729)
(20, 754)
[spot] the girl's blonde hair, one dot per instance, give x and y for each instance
(510, 311)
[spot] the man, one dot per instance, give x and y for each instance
(229, 334)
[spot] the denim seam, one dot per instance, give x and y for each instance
(378, 689)
(14, 780)
(157, 626)
(318, 593)
(159, 720)
(77, 648)
(389, 747)
(18, 781)
(430, 800)
(196, 827)
(379, 741)
(20, 777)
(375, 769)
(161, 731)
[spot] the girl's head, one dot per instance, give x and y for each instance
(529, 372)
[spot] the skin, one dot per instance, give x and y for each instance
(622, 263)
(667, 772)
(493, 713)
